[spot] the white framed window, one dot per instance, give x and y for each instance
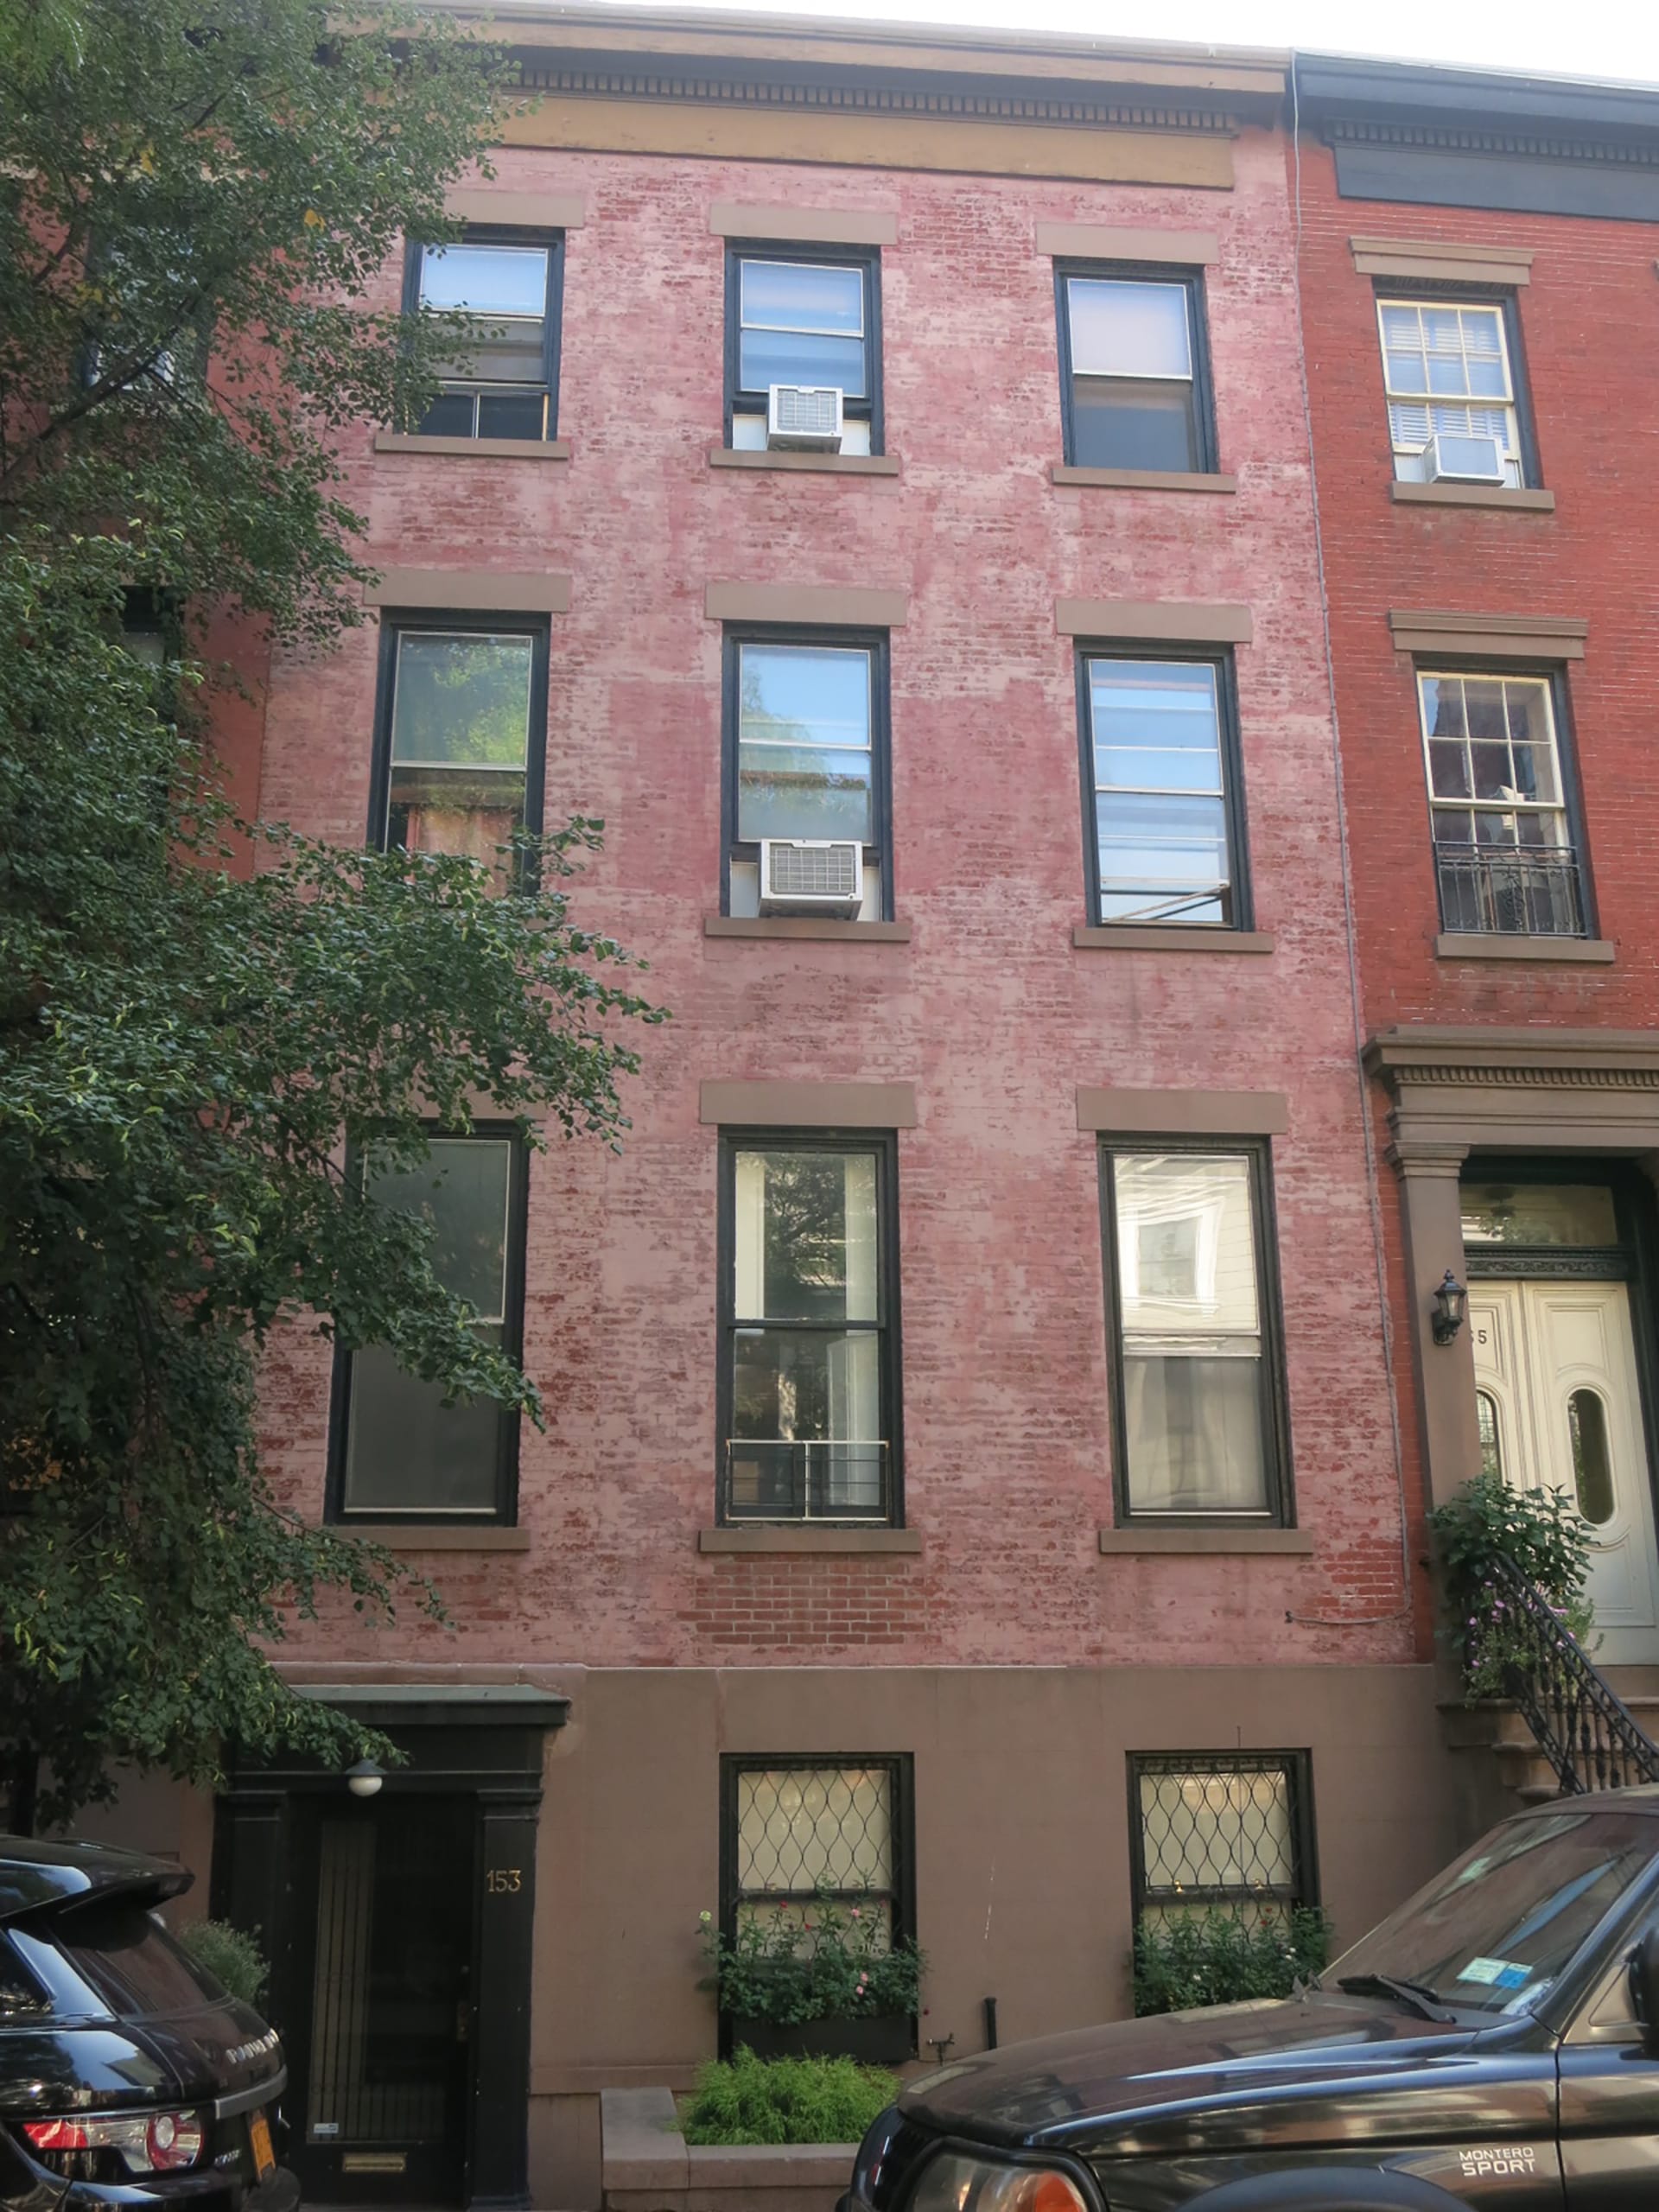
(1448, 375)
(1498, 804)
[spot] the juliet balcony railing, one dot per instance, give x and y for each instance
(821, 1480)
(1511, 890)
(1583, 1728)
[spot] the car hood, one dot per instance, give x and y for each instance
(1103, 2085)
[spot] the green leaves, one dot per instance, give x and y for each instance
(828, 1959)
(749, 2100)
(1209, 1956)
(1543, 1535)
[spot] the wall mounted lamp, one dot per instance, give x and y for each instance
(1450, 1306)
(364, 1780)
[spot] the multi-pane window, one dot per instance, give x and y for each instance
(806, 1388)
(1162, 774)
(502, 379)
(799, 317)
(1228, 1830)
(797, 1830)
(1132, 367)
(806, 757)
(462, 718)
(1197, 1397)
(400, 1451)
(1453, 402)
(1503, 847)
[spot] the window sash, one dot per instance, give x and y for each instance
(512, 362)
(426, 795)
(1487, 812)
(1219, 1829)
(745, 326)
(1168, 821)
(753, 1891)
(1076, 291)
(1417, 411)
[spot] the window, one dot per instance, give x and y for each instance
(793, 1827)
(1163, 827)
(1229, 1829)
(400, 1452)
(504, 381)
(1199, 1394)
(1134, 372)
(1504, 850)
(806, 753)
(803, 316)
(809, 1322)
(463, 718)
(1448, 371)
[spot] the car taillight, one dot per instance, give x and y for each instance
(145, 2143)
(951, 2183)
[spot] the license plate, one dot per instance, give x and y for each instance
(264, 2160)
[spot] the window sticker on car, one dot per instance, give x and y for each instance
(1497, 1973)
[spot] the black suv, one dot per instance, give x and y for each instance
(1495, 2042)
(127, 2075)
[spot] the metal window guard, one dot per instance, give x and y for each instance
(823, 1479)
(1511, 890)
(1583, 1728)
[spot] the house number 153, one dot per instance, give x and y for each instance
(499, 1879)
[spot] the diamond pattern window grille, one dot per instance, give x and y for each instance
(800, 1829)
(1218, 1830)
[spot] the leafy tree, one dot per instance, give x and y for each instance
(208, 1026)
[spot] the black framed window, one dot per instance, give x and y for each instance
(399, 1453)
(1134, 368)
(1509, 851)
(807, 1398)
(1198, 1398)
(1163, 790)
(504, 381)
(796, 1825)
(803, 316)
(806, 733)
(1228, 1829)
(1455, 384)
(461, 733)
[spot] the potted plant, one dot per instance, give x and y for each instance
(816, 1980)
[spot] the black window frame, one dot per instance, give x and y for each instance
(738, 399)
(823, 637)
(884, 1144)
(505, 1512)
(553, 313)
(1555, 673)
(900, 1766)
(1425, 291)
(396, 622)
(1190, 279)
(1235, 810)
(1297, 1766)
(1274, 1397)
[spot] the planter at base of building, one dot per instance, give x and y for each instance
(648, 2166)
(886, 2039)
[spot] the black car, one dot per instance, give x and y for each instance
(1495, 2042)
(127, 2075)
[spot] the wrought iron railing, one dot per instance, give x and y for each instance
(768, 1479)
(1511, 890)
(1583, 1728)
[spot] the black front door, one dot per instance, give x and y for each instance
(380, 1903)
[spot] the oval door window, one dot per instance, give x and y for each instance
(1593, 1472)
(1491, 1451)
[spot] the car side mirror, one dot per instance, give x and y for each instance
(1644, 1983)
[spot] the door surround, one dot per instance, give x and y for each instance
(485, 1741)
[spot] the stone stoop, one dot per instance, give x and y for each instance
(1498, 1766)
(648, 2166)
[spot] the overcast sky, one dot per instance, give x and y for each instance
(1584, 38)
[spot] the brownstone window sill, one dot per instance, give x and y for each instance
(1296, 1541)
(1594, 951)
(1474, 495)
(1142, 479)
(449, 1536)
(475, 448)
(1170, 937)
(779, 1539)
(808, 464)
(825, 928)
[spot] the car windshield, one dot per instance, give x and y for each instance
(1492, 1932)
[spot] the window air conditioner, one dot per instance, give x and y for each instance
(1453, 457)
(810, 875)
(804, 417)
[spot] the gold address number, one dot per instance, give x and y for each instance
(500, 1881)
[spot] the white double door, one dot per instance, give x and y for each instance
(1555, 1371)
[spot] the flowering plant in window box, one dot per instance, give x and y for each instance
(815, 1979)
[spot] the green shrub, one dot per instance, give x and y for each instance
(752, 2099)
(232, 1958)
(1543, 1535)
(826, 1961)
(1214, 1957)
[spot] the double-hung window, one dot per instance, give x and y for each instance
(803, 316)
(462, 731)
(794, 1829)
(1449, 368)
(1198, 1398)
(807, 1398)
(1164, 827)
(1505, 853)
(806, 760)
(1134, 370)
(502, 381)
(1230, 1831)
(399, 1452)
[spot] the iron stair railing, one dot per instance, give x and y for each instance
(1583, 1727)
